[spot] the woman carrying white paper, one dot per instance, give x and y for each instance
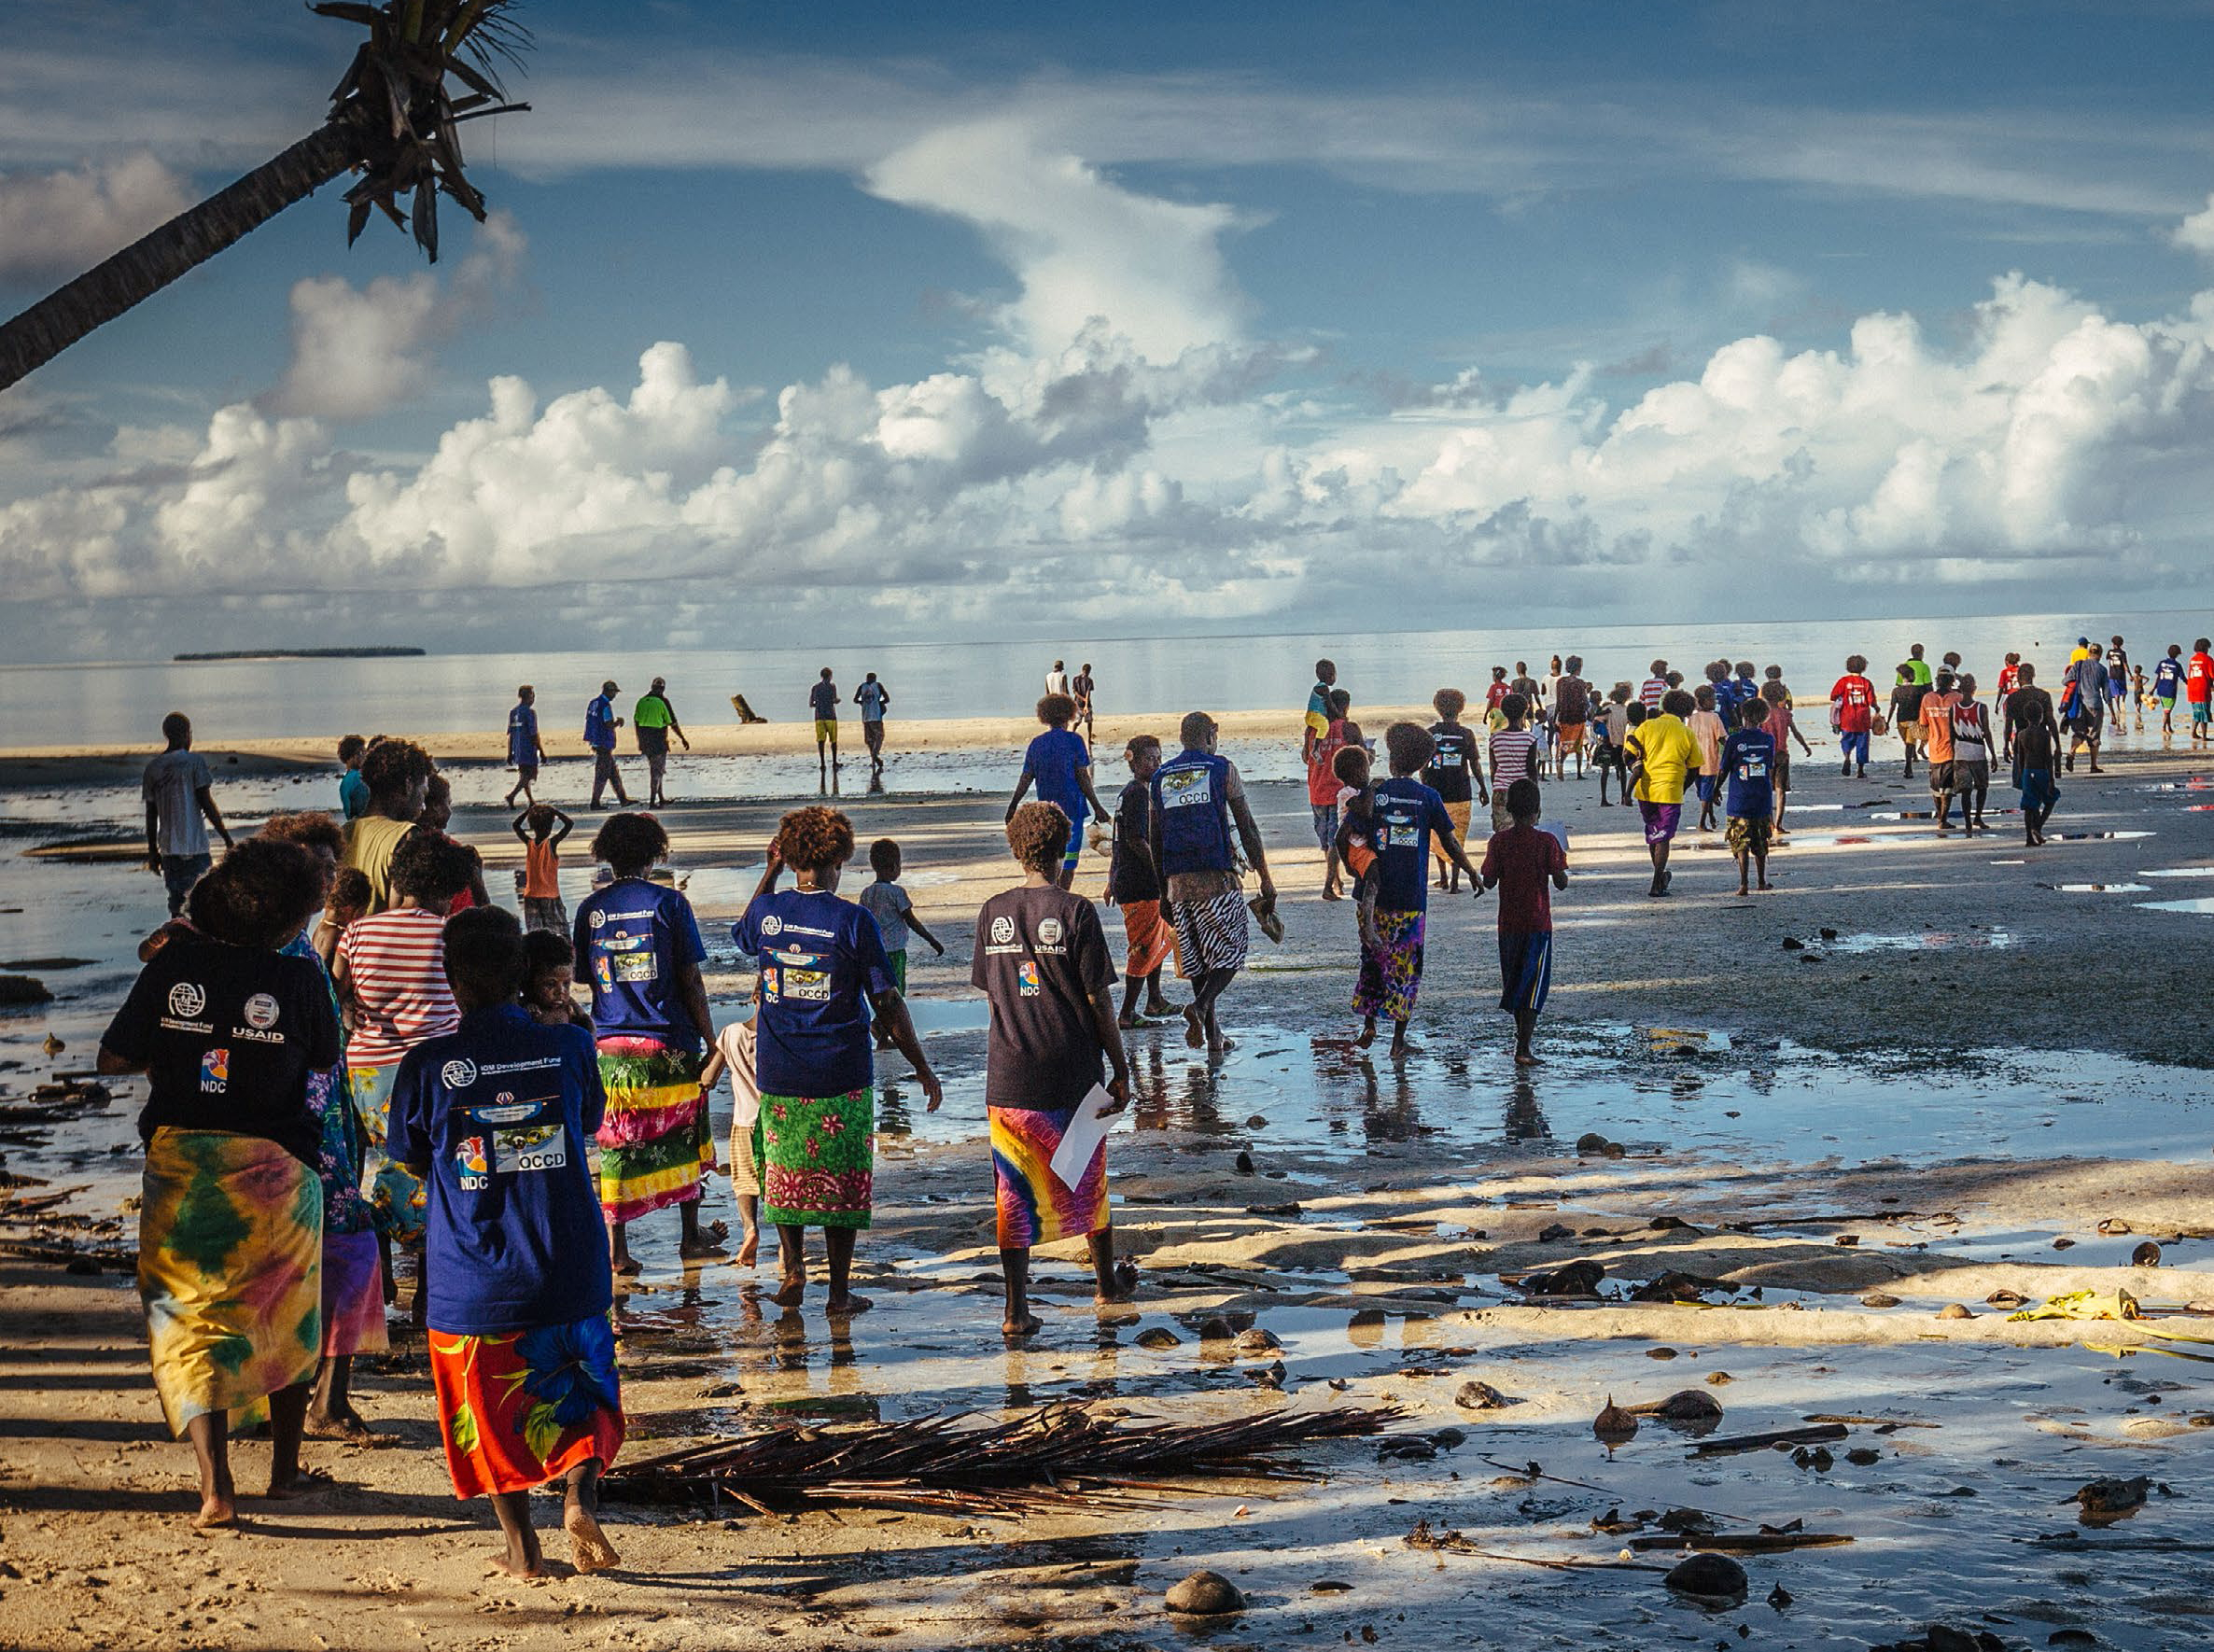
(1042, 961)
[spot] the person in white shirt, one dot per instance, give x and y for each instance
(178, 791)
(873, 697)
(1057, 680)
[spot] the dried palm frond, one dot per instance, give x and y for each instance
(1071, 1454)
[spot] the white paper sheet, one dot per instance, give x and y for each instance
(1083, 1137)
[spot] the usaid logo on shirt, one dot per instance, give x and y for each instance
(187, 1000)
(772, 925)
(1049, 930)
(261, 1012)
(1002, 930)
(459, 1075)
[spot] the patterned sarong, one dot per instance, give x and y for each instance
(517, 1408)
(230, 1269)
(817, 1156)
(1211, 933)
(396, 1198)
(1391, 971)
(653, 1141)
(1149, 942)
(1035, 1207)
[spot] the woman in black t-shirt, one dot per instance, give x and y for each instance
(231, 1228)
(1041, 961)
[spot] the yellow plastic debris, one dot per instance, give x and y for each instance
(2082, 1305)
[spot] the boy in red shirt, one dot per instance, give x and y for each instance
(1852, 713)
(2198, 689)
(1524, 863)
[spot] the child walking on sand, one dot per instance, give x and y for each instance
(733, 1054)
(895, 913)
(1456, 773)
(1615, 720)
(1355, 851)
(1525, 864)
(1407, 816)
(1134, 884)
(1749, 763)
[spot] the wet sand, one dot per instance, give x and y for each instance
(1980, 1065)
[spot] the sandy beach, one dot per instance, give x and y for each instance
(1925, 1077)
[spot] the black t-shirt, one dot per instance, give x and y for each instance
(1448, 773)
(1906, 701)
(1040, 955)
(1130, 874)
(228, 1036)
(2029, 721)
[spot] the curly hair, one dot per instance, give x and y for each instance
(1675, 703)
(1351, 765)
(815, 839)
(1038, 837)
(884, 857)
(394, 768)
(261, 895)
(1057, 710)
(1410, 747)
(351, 895)
(430, 867)
(630, 841)
(539, 817)
(311, 828)
(1449, 703)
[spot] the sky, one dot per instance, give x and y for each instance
(878, 322)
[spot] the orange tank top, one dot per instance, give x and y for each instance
(541, 871)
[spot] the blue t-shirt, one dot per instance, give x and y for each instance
(820, 956)
(631, 939)
(871, 698)
(823, 698)
(1407, 813)
(1055, 757)
(2166, 677)
(502, 1110)
(1749, 764)
(353, 794)
(523, 737)
(599, 724)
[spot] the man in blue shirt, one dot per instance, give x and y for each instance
(2167, 682)
(600, 723)
(525, 751)
(1748, 766)
(1059, 765)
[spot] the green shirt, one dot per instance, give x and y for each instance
(653, 712)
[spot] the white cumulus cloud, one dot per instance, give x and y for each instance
(358, 351)
(59, 224)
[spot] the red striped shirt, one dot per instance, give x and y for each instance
(1511, 749)
(396, 962)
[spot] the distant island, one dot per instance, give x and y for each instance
(305, 653)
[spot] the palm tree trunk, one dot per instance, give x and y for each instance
(182, 244)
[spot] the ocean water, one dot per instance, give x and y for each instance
(123, 703)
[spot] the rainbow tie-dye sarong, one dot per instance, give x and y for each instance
(230, 1269)
(1034, 1207)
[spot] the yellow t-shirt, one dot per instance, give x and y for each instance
(369, 842)
(1671, 753)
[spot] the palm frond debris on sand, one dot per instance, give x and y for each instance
(1063, 1456)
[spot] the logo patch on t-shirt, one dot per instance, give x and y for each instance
(261, 1012)
(637, 966)
(470, 1164)
(772, 925)
(1049, 930)
(813, 986)
(534, 1147)
(599, 920)
(1002, 930)
(187, 1000)
(1182, 787)
(1026, 975)
(458, 1075)
(215, 1072)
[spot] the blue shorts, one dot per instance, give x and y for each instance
(2201, 711)
(1326, 823)
(1525, 970)
(1706, 783)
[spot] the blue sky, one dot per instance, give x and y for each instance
(1175, 316)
